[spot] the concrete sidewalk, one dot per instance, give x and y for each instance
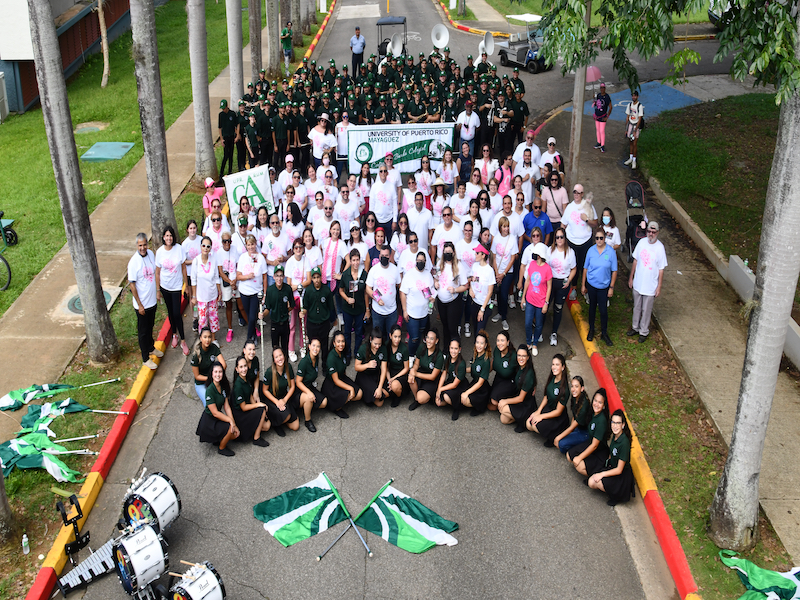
(698, 312)
(38, 323)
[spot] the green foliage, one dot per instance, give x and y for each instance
(679, 60)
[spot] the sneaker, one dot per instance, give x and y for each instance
(467, 332)
(633, 164)
(341, 321)
(229, 337)
(534, 351)
(496, 318)
(258, 333)
(241, 321)
(411, 361)
(586, 297)
(554, 339)
(631, 332)
(602, 148)
(605, 337)
(590, 335)
(292, 356)
(511, 303)
(597, 146)
(541, 339)
(184, 348)
(150, 364)
(215, 342)
(629, 161)
(642, 339)
(302, 352)
(175, 339)
(195, 326)
(157, 353)
(573, 294)
(505, 325)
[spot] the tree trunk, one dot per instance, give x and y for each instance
(314, 7)
(101, 340)
(7, 523)
(297, 26)
(734, 511)
(462, 8)
(254, 24)
(151, 114)
(101, 17)
(273, 38)
(576, 127)
(305, 8)
(205, 163)
(233, 10)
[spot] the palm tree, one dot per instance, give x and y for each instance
(233, 12)
(273, 37)
(101, 340)
(254, 24)
(205, 163)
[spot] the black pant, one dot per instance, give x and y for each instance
(280, 335)
(580, 257)
(559, 298)
(144, 327)
(280, 153)
(319, 331)
(598, 298)
(250, 304)
(358, 59)
(227, 156)
(450, 313)
(173, 302)
(241, 154)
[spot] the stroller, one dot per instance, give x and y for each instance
(635, 223)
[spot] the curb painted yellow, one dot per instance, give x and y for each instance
(57, 557)
(142, 382)
(693, 596)
(583, 328)
(641, 470)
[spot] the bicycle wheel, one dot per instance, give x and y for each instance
(5, 274)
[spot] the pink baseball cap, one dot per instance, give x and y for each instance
(480, 248)
(289, 158)
(209, 181)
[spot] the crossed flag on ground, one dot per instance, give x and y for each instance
(316, 506)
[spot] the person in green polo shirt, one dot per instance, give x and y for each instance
(453, 381)
(307, 373)
(550, 419)
(477, 395)
(424, 376)
(338, 388)
(317, 305)
(280, 134)
(278, 304)
(286, 45)
(227, 122)
(516, 408)
(590, 456)
(216, 424)
(504, 364)
(279, 390)
(616, 479)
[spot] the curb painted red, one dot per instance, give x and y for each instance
(464, 27)
(314, 42)
(605, 380)
(46, 578)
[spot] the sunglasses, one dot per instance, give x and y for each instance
(551, 144)
(554, 179)
(579, 193)
(226, 241)
(382, 171)
(205, 246)
(599, 237)
(559, 237)
(216, 220)
(536, 207)
(414, 241)
(275, 223)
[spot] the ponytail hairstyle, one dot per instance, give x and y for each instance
(376, 333)
(577, 404)
(459, 358)
(563, 389)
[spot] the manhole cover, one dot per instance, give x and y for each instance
(74, 305)
(90, 127)
(87, 129)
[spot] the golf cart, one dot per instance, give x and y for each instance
(522, 47)
(397, 42)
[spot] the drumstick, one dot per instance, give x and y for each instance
(183, 562)
(181, 576)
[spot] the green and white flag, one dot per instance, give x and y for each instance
(302, 512)
(39, 417)
(29, 452)
(253, 183)
(16, 399)
(406, 523)
(762, 584)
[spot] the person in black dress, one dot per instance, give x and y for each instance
(424, 376)
(371, 369)
(517, 408)
(204, 355)
(338, 388)
(397, 365)
(581, 408)
(279, 390)
(217, 425)
(504, 365)
(550, 418)
(477, 395)
(453, 381)
(616, 478)
(249, 413)
(307, 373)
(253, 365)
(591, 454)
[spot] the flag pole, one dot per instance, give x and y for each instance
(80, 387)
(319, 558)
(346, 512)
(375, 497)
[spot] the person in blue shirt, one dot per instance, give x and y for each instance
(537, 218)
(599, 276)
(357, 45)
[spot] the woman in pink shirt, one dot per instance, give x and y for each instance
(503, 175)
(537, 295)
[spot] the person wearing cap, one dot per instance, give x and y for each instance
(317, 306)
(227, 257)
(536, 295)
(519, 121)
(599, 276)
(330, 74)
(434, 110)
(144, 289)
(212, 193)
(602, 111)
(279, 303)
(552, 156)
(285, 178)
(239, 140)
(286, 45)
(482, 283)
(634, 114)
(227, 122)
(249, 97)
(645, 279)
(280, 135)
(322, 138)
(503, 113)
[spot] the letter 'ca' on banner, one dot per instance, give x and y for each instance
(253, 183)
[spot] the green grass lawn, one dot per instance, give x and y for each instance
(468, 16)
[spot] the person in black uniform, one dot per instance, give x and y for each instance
(227, 123)
(371, 369)
(250, 96)
(397, 365)
(318, 303)
(504, 365)
(424, 376)
(477, 395)
(307, 374)
(616, 478)
(338, 388)
(280, 134)
(249, 413)
(216, 424)
(279, 304)
(590, 455)
(550, 418)
(251, 140)
(241, 146)
(279, 389)
(453, 381)
(517, 408)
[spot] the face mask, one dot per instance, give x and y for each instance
(326, 161)
(420, 265)
(606, 220)
(448, 257)
(385, 261)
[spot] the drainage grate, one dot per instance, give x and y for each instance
(74, 304)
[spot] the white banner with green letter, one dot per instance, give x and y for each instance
(253, 183)
(409, 143)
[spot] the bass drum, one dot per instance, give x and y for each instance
(156, 499)
(201, 582)
(140, 558)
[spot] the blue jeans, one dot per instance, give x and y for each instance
(384, 322)
(533, 314)
(200, 388)
(502, 295)
(250, 305)
(353, 324)
(270, 281)
(578, 436)
(415, 328)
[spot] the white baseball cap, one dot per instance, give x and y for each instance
(551, 140)
(539, 249)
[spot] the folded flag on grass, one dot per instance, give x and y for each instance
(28, 452)
(761, 583)
(39, 417)
(406, 523)
(302, 512)
(18, 398)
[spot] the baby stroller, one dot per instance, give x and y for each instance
(635, 223)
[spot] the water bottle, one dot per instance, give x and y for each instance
(26, 547)
(430, 306)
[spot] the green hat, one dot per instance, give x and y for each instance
(295, 105)
(305, 59)
(313, 62)
(344, 68)
(262, 97)
(446, 49)
(307, 84)
(273, 82)
(469, 56)
(372, 55)
(284, 80)
(516, 70)
(351, 97)
(394, 95)
(223, 103)
(442, 74)
(242, 102)
(382, 98)
(263, 71)
(242, 219)
(333, 62)
(494, 67)
(270, 92)
(369, 97)
(278, 268)
(252, 113)
(350, 88)
(320, 68)
(326, 95)
(316, 271)
(433, 94)
(422, 55)
(250, 84)
(401, 101)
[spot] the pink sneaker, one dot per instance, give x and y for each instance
(184, 348)
(229, 337)
(258, 333)
(174, 340)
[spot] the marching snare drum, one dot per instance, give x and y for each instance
(201, 582)
(157, 499)
(140, 558)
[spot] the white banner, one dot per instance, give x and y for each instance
(253, 183)
(409, 143)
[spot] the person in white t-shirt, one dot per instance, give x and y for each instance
(465, 253)
(447, 231)
(251, 277)
(467, 125)
(517, 229)
(460, 202)
(383, 202)
(142, 281)
(298, 277)
(529, 145)
(561, 259)
(408, 257)
(313, 185)
(439, 200)
(335, 258)
(312, 252)
(530, 173)
(579, 227)
(382, 282)
(647, 275)
(634, 114)
(416, 298)
(170, 280)
(300, 192)
(551, 156)
(609, 223)
(227, 258)
(322, 227)
(450, 284)
(216, 206)
(206, 287)
(345, 210)
(400, 237)
(356, 195)
(275, 248)
(481, 287)
(285, 177)
(419, 220)
(393, 175)
(474, 185)
(505, 248)
(316, 210)
(357, 242)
